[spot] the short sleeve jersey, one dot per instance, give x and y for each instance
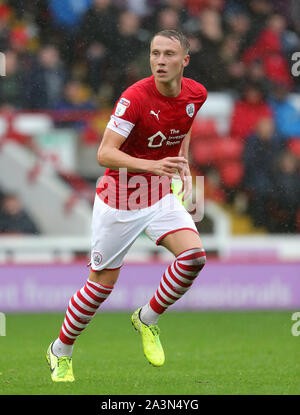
(154, 126)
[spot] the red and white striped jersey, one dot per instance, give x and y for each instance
(154, 126)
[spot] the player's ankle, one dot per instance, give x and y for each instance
(61, 349)
(148, 315)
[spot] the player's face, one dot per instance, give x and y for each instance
(167, 59)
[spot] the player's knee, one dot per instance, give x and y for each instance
(196, 258)
(199, 259)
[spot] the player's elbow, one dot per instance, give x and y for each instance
(102, 157)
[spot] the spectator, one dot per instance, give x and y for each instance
(66, 16)
(97, 57)
(295, 13)
(129, 45)
(238, 24)
(11, 86)
(211, 38)
(229, 48)
(66, 13)
(138, 7)
(44, 81)
(14, 219)
(179, 7)
(270, 49)
(260, 152)
(195, 7)
(255, 73)
(170, 14)
(258, 11)
(248, 111)
(5, 16)
(75, 97)
(99, 24)
(198, 67)
(287, 118)
(286, 195)
(168, 19)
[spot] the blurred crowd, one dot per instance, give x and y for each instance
(256, 168)
(67, 53)
(81, 54)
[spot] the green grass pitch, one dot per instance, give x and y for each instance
(206, 353)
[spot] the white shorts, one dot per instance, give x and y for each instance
(114, 230)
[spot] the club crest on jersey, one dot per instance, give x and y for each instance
(97, 258)
(190, 109)
(123, 104)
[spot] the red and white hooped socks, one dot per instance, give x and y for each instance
(176, 281)
(81, 309)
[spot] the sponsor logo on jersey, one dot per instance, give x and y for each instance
(123, 104)
(190, 109)
(152, 138)
(171, 140)
(97, 258)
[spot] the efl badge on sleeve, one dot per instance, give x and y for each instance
(123, 104)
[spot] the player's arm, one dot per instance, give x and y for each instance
(185, 173)
(109, 155)
(185, 145)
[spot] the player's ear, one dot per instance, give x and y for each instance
(186, 60)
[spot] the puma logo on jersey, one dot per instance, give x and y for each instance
(154, 113)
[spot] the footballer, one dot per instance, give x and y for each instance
(145, 144)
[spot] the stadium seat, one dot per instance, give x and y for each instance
(202, 152)
(204, 129)
(32, 124)
(226, 148)
(231, 174)
(89, 136)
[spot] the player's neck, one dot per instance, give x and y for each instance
(169, 89)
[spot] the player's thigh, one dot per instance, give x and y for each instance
(181, 240)
(173, 227)
(113, 233)
(106, 277)
(106, 246)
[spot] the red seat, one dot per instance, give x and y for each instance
(231, 173)
(204, 129)
(227, 149)
(202, 152)
(294, 146)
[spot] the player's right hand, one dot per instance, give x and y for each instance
(168, 166)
